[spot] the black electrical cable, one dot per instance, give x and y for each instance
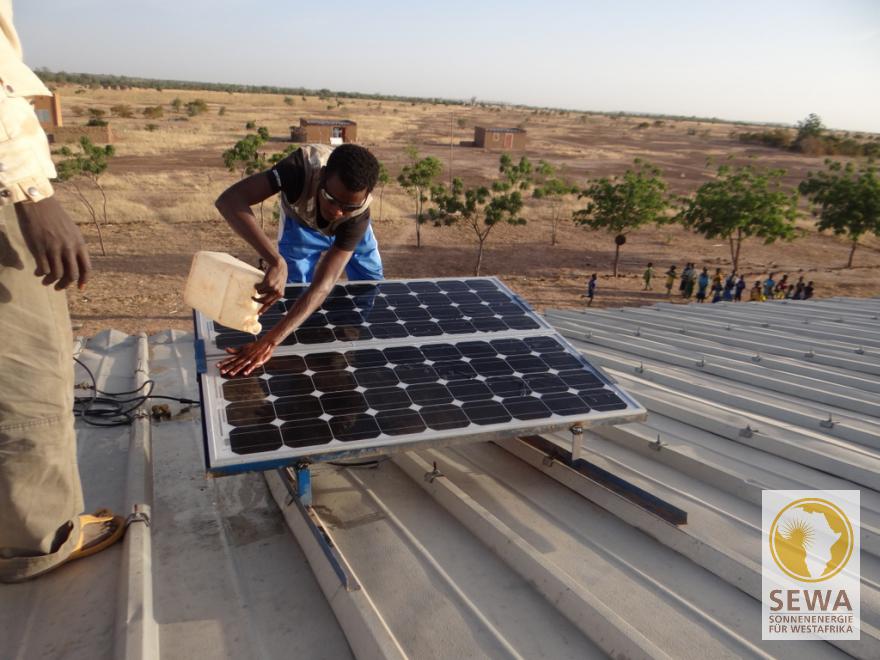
(109, 409)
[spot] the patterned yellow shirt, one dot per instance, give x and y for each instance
(25, 163)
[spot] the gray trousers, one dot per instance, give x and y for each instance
(40, 491)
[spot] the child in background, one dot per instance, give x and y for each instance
(757, 293)
(702, 285)
(649, 273)
(740, 286)
(670, 280)
(591, 290)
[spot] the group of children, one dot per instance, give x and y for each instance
(717, 288)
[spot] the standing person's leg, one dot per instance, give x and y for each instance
(40, 491)
(301, 248)
(366, 262)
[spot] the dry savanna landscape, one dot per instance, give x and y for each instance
(167, 171)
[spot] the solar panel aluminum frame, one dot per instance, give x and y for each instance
(221, 461)
(205, 329)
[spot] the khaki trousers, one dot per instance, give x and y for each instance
(40, 491)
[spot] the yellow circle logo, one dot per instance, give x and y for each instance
(811, 539)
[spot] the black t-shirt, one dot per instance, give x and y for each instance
(291, 173)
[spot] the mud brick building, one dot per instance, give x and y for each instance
(513, 139)
(324, 131)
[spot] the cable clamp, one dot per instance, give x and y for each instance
(140, 513)
(433, 474)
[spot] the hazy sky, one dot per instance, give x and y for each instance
(774, 60)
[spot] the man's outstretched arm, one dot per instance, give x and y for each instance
(235, 205)
(327, 273)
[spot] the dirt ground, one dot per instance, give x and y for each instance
(162, 184)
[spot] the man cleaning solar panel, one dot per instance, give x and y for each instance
(324, 230)
(41, 254)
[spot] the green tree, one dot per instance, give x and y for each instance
(554, 190)
(847, 200)
(622, 204)
(176, 104)
(739, 203)
(89, 163)
(383, 180)
(97, 113)
(416, 179)
(245, 156)
(288, 100)
(482, 208)
(811, 127)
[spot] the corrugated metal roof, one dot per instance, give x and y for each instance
(487, 550)
(327, 122)
(497, 129)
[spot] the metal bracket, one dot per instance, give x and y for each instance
(810, 354)
(433, 474)
(657, 445)
(757, 357)
(827, 423)
(702, 362)
(747, 432)
(638, 332)
(860, 351)
(139, 513)
(577, 436)
(303, 474)
(641, 368)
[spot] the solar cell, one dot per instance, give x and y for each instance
(403, 380)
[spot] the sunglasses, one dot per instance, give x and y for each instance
(345, 208)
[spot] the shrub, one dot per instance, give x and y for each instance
(122, 110)
(153, 112)
(94, 121)
(778, 138)
(151, 127)
(251, 125)
(197, 107)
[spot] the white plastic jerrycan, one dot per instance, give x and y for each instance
(222, 288)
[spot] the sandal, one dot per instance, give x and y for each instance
(111, 529)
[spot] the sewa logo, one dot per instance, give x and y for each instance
(810, 578)
(811, 540)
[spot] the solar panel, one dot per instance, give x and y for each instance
(343, 397)
(388, 310)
